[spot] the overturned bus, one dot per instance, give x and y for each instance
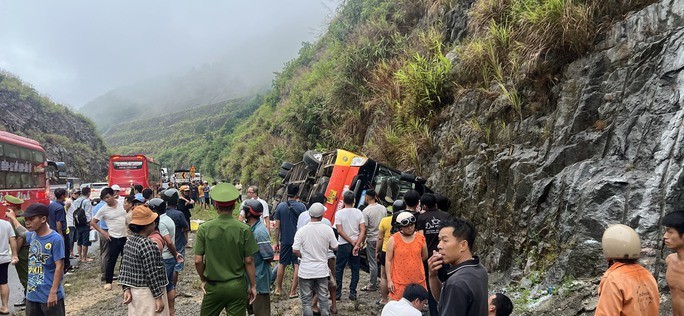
(334, 172)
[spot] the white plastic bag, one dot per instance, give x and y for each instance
(93, 235)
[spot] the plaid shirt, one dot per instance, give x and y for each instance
(142, 265)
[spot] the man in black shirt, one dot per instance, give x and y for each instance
(465, 290)
(429, 224)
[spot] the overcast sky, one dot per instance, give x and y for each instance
(76, 50)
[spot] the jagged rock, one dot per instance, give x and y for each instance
(610, 149)
(64, 135)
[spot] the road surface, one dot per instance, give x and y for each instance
(17, 290)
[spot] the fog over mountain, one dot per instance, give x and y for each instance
(76, 51)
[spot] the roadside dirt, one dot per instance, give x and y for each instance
(85, 295)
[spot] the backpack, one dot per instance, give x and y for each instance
(80, 218)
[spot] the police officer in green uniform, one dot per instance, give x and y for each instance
(14, 203)
(224, 250)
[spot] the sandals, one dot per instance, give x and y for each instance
(368, 289)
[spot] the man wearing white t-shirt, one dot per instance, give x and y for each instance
(8, 254)
(411, 304)
(114, 215)
(351, 226)
(253, 193)
(311, 244)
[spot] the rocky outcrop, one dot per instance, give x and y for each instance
(607, 147)
(64, 135)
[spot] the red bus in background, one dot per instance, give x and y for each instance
(23, 168)
(126, 171)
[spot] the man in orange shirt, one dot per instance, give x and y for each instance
(674, 229)
(626, 288)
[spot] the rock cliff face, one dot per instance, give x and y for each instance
(66, 136)
(608, 147)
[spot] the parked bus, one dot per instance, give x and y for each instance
(23, 170)
(125, 171)
(337, 171)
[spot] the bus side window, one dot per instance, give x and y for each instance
(27, 181)
(11, 151)
(3, 183)
(13, 180)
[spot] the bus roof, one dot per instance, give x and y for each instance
(20, 141)
(127, 156)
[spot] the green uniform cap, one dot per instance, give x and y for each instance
(224, 192)
(13, 200)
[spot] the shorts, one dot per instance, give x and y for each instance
(286, 256)
(180, 265)
(3, 273)
(169, 266)
(83, 236)
(207, 200)
(72, 234)
(381, 260)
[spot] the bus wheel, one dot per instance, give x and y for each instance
(312, 159)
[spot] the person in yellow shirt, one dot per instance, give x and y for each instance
(626, 288)
(385, 230)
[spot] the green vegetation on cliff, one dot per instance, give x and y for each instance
(379, 80)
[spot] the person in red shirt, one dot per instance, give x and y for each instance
(626, 288)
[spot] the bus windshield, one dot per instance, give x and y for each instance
(388, 183)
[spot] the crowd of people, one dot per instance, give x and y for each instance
(421, 259)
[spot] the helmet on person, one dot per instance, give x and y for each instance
(170, 196)
(405, 219)
(254, 207)
(157, 205)
(621, 242)
(398, 206)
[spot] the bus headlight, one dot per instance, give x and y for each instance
(358, 161)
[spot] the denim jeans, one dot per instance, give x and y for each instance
(307, 287)
(344, 255)
(372, 263)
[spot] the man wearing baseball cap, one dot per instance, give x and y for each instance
(223, 272)
(44, 292)
(117, 189)
(14, 204)
(311, 243)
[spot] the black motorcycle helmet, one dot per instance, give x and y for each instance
(398, 206)
(254, 207)
(170, 196)
(157, 205)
